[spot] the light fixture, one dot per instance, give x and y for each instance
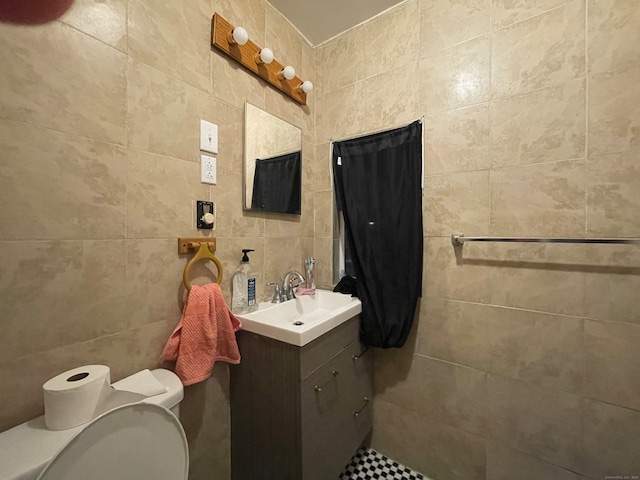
(238, 36)
(235, 42)
(287, 72)
(265, 56)
(305, 87)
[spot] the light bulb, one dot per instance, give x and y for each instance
(288, 72)
(265, 56)
(306, 86)
(239, 36)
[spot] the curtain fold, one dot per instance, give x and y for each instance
(378, 185)
(277, 184)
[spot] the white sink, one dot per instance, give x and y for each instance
(303, 319)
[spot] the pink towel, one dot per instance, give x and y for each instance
(204, 335)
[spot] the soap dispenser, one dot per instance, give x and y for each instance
(244, 283)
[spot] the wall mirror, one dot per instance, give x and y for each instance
(272, 163)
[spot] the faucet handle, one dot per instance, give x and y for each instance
(277, 294)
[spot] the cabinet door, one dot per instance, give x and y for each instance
(336, 412)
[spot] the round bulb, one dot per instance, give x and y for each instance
(288, 72)
(266, 55)
(306, 86)
(240, 36)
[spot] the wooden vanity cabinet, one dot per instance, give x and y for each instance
(300, 413)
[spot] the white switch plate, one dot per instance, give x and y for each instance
(208, 137)
(208, 167)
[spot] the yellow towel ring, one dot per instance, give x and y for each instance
(203, 253)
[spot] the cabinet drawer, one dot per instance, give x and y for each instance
(336, 412)
(316, 353)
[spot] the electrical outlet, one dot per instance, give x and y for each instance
(208, 172)
(208, 137)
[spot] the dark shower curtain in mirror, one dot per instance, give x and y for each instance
(378, 180)
(277, 184)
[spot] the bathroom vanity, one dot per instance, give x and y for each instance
(300, 412)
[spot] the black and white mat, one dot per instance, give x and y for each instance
(371, 465)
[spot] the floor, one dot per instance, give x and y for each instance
(369, 465)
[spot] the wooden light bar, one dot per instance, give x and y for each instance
(246, 55)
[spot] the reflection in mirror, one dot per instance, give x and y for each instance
(272, 163)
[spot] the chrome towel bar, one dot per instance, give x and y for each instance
(458, 239)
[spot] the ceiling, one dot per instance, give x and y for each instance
(320, 20)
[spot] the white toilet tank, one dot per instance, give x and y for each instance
(26, 449)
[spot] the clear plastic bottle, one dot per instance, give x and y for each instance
(244, 284)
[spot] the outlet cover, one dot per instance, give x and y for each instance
(208, 137)
(208, 167)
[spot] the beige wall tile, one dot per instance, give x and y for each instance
(234, 84)
(542, 423)
(539, 348)
(610, 440)
(612, 363)
(452, 274)
(614, 111)
(321, 172)
(614, 33)
(323, 203)
(232, 220)
(382, 92)
(106, 21)
(391, 40)
(503, 463)
(308, 217)
(456, 202)
(60, 186)
(164, 113)
(208, 430)
(161, 196)
(156, 29)
(324, 263)
(60, 293)
(245, 13)
(280, 225)
(547, 278)
(154, 280)
(539, 200)
(539, 52)
(612, 283)
(438, 390)
(340, 114)
(506, 12)
(280, 256)
(431, 447)
(445, 23)
(40, 83)
(230, 121)
(457, 141)
(340, 62)
(539, 126)
(456, 332)
(613, 199)
(456, 77)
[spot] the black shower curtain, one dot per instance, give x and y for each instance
(378, 180)
(277, 184)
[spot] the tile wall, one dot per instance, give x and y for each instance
(99, 174)
(523, 362)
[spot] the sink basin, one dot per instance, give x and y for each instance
(303, 319)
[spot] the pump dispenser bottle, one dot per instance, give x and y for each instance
(244, 282)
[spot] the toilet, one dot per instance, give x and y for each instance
(138, 441)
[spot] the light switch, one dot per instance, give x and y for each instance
(208, 137)
(208, 169)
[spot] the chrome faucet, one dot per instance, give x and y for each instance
(277, 294)
(287, 287)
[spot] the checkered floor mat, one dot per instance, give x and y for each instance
(371, 465)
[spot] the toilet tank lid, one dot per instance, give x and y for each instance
(19, 460)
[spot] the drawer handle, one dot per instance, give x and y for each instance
(358, 412)
(334, 374)
(356, 357)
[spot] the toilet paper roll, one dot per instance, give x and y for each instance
(75, 396)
